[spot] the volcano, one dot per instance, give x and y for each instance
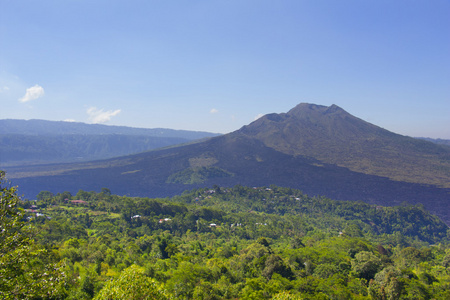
(321, 150)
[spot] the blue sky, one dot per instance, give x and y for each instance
(217, 65)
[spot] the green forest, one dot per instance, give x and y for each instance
(218, 243)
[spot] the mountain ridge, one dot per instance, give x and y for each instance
(332, 135)
(25, 142)
(45, 127)
(283, 149)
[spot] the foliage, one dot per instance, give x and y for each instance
(24, 272)
(241, 243)
(132, 284)
(366, 265)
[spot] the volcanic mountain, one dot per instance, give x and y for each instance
(331, 135)
(320, 150)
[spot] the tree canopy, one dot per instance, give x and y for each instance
(219, 243)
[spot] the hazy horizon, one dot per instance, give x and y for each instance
(181, 129)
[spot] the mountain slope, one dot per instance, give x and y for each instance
(437, 141)
(310, 148)
(38, 141)
(333, 136)
(43, 127)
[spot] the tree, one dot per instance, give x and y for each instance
(446, 261)
(22, 273)
(285, 295)
(275, 264)
(185, 278)
(106, 191)
(44, 195)
(63, 196)
(83, 195)
(132, 284)
(387, 284)
(365, 265)
(254, 289)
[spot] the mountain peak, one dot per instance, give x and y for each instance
(308, 109)
(321, 149)
(308, 117)
(335, 109)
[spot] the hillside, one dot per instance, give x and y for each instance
(39, 142)
(21, 149)
(320, 150)
(437, 141)
(331, 135)
(43, 127)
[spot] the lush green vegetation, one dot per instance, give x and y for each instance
(219, 243)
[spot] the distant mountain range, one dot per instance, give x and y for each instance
(320, 150)
(24, 142)
(437, 141)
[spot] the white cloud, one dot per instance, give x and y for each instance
(100, 116)
(258, 116)
(69, 120)
(32, 93)
(4, 88)
(213, 111)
